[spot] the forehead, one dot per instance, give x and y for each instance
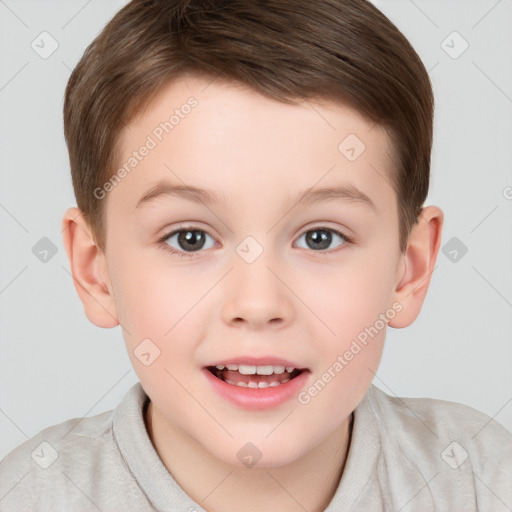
(228, 139)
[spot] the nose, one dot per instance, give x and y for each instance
(255, 294)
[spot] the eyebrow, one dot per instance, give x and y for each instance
(304, 198)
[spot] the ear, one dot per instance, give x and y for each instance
(89, 270)
(416, 265)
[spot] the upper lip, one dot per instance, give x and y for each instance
(259, 361)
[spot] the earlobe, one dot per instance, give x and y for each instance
(417, 265)
(89, 271)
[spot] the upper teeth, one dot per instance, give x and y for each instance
(245, 369)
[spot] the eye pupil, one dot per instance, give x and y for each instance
(191, 239)
(319, 236)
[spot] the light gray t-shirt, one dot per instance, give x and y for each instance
(406, 454)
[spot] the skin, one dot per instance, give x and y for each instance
(294, 301)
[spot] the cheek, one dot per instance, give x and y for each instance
(152, 296)
(155, 304)
(348, 298)
(353, 304)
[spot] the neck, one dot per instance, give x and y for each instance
(308, 483)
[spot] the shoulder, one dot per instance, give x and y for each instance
(462, 449)
(70, 464)
(441, 418)
(44, 460)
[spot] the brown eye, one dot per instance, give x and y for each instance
(190, 240)
(321, 238)
(186, 241)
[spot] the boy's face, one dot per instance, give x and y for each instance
(269, 279)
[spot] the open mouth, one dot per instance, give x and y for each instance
(255, 376)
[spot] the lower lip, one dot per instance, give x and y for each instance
(257, 399)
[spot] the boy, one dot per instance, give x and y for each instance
(290, 141)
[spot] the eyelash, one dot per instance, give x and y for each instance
(182, 254)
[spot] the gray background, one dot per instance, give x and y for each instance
(56, 365)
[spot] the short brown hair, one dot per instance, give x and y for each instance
(289, 50)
